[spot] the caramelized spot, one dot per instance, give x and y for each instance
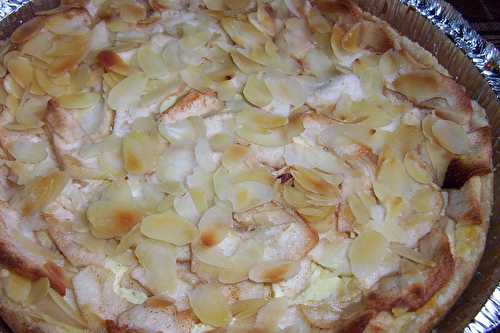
(233, 155)
(126, 219)
(57, 278)
(28, 209)
(155, 5)
(358, 324)
(106, 14)
(65, 64)
(108, 59)
(112, 327)
(158, 303)
(210, 238)
(133, 164)
(277, 273)
(111, 61)
(269, 10)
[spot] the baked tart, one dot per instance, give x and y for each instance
(233, 166)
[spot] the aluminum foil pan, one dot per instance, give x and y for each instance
(475, 63)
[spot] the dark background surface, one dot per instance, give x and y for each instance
(483, 15)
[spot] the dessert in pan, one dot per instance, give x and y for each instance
(233, 166)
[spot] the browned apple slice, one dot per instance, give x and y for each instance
(416, 285)
(273, 271)
(210, 305)
(192, 104)
(464, 204)
(111, 61)
(432, 89)
(28, 30)
(343, 11)
(367, 35)
(476, 163)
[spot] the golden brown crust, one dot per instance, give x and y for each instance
(464, 204)
(466, 269)
(28, 264)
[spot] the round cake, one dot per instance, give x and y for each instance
(264, 166)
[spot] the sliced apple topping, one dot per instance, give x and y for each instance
(158, 259)
(151, 62)
(427, 199)
(28, 30)
(243, 33)
(286, 90)
(210, 305)
(112, 218)
(273, 271)
(127, 92)
(214, 225)
(317, 21)
(419, 86)
(39, 290)
(260, 120)
(234, 155)
(370, 258)
(267, 138)
(392, 179)
(264, 19)
(366, 35)
(313, 182)
(451, 136)
(140, 152)
(240, 263)
(270, 315)
(332, 254)
(78, 101)
(249, 194)
(22, 70)
(72, 22)
(169, 227)
(359, 210)
(111, 61)
(256, 92)
(132, 12)
(411, 254)
(29, 152)
(42, 191)
(17, 288)
(417, 169)
(247, 308)
(267, 161)
(294, 197)
(245, 64)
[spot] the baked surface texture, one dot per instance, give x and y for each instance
(233, 166)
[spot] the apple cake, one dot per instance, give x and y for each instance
(188, 166)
